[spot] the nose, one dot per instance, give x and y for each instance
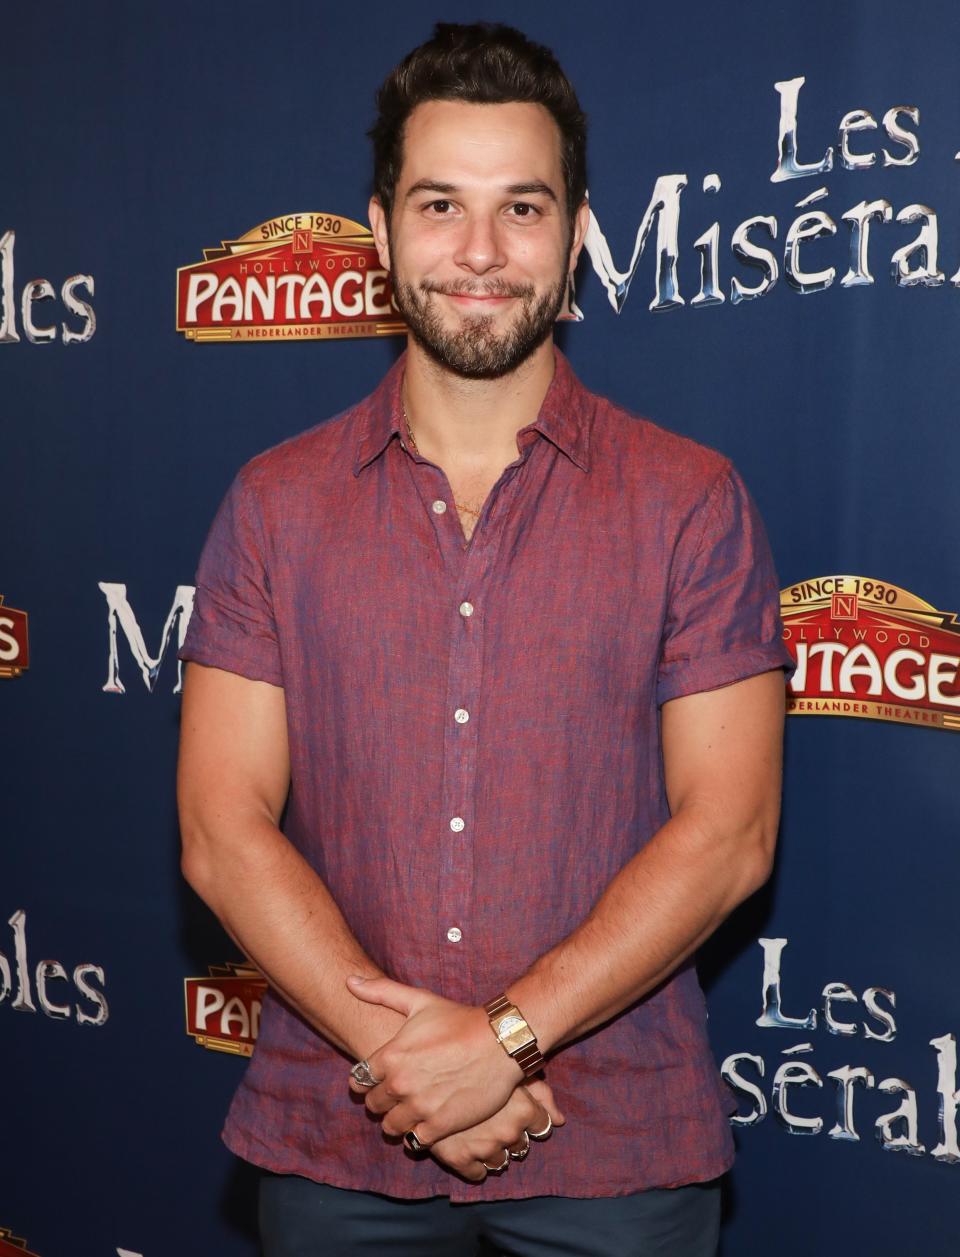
(480, 248)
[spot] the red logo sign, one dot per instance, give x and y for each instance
(296, 277)
(10, 1246)
(223, 1010)
(868, 648)
(14, 643)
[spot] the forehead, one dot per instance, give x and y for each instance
(453, 141)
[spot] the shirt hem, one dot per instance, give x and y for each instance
(264, 1160)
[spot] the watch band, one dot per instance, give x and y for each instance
(513, 1034)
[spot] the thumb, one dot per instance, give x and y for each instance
(542, 1093)
(402, 999)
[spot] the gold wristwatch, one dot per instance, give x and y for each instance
(513, 1034)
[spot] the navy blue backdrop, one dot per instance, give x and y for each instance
(131, 138)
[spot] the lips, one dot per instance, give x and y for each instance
(480, 297)
(481, 294)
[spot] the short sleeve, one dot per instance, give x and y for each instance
(233, 625)
(723, 619)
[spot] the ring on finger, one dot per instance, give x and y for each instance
(363, 1076)
(411, 1141)
(494, 1169)
(522, 1152)
(542, 1134)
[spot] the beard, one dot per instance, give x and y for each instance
(475, 350)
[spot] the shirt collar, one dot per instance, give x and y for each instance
(564, 418)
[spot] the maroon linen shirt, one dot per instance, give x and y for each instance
(475, 753)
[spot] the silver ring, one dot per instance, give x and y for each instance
(518, 1156)
(413, 1143)
(542, 1134)
(495, 1169)
(361, 1075)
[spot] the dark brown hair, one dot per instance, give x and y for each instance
(483, 63)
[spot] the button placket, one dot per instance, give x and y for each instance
(460, 758)
(459, 779)
(462, 720)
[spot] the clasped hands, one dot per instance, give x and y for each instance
(444, 1076)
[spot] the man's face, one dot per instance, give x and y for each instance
(479, 244)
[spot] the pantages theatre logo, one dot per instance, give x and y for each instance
(12, 1246)
(870, 649)
(223, 1010)
(298, 276)
(14, 641)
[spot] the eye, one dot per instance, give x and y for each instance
(439, 207)
(523, 209)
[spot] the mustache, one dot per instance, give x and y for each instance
(491, 288)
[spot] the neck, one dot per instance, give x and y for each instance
(472, 423)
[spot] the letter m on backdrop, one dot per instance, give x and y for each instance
(120, 613)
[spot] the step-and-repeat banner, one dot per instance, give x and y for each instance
(186, 278)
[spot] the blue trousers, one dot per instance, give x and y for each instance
(300, 1218)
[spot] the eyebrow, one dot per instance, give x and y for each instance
(535, 188)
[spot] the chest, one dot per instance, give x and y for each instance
(470, 489)
(560, 598)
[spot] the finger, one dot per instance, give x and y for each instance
(402, 999)
(542, 1093)
(476, 1173)
(497, 1160)
(533, 1113)
(465, 1166)
(514, 1135)
(521, 1113)
(379, 1100)
(402, 1118)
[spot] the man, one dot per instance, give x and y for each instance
(510, 659)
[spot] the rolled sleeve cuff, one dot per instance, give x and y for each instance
(256, 659)
(693, 676)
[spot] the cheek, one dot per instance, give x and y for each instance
(543, 260)
(544, 248)
(423, 256)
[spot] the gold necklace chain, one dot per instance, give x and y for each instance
(413, 442)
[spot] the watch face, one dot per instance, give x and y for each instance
(508, 1025)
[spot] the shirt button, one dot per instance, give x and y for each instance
(461, 715)
(454, 935)
(457, 823)
(466, 608)
(439, 506)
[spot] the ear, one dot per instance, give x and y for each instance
(378, 225)
(581, 221)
